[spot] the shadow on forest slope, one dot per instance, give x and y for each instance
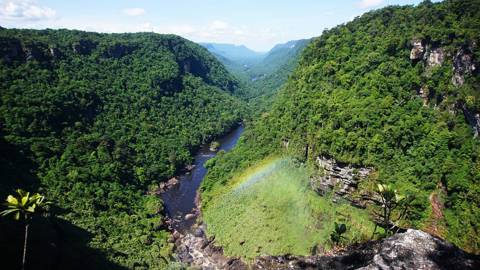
(52, 244)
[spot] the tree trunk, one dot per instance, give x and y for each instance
(306, 152)
(374, 230)
(24, 260)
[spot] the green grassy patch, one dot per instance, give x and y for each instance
(269, 209)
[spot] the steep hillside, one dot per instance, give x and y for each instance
(261, 75)
(394, 94)
(272, 72)
(94, 121)
(280, 55)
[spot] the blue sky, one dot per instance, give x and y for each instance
(258, 24)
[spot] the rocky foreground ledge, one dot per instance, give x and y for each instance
(413, 249)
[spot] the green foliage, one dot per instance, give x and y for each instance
(22, 205)
(268, 76)
(269, 209)
(390, 200)
(94, 119)
(261, 75)
(354, 97)
(337, 234)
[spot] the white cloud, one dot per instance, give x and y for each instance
(370, 3)
(218, 25)
(212, 31)
(134, 11)
(24, 10)
(223, 32)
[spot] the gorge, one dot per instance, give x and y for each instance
(355, 149)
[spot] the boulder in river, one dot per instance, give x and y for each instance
(189, 216)
(214, 146)
(190, 167)
(172, 182)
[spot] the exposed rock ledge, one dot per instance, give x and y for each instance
(413, 249)
(196, 250)
(410, 250)
(341, 178)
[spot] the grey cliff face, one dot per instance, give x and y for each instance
(463, 64)
(343, 179)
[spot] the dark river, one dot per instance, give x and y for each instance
(180, 199)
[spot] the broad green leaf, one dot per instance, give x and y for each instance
(25, 198)
(31, 209)
(399, 198)
(12, 200)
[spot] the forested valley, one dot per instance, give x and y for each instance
(260, 74)
(363, 134)
(396, 90)
(95, 121)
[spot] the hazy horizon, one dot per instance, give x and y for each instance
(256, 25)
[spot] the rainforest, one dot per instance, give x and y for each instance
(357, 147)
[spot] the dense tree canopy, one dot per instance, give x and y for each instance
(356, 97)
(94, 119)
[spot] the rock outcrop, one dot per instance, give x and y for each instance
(431, 56)
(84, 46)
(38, 52)
(193, 66)
(434, 57)
(462, 64)
(55, 52)
(341, 178)
(423, 93)
(473, 118)
(11, 50)
(196, 250)
(418, 50)
(118, 50)
(413, 249)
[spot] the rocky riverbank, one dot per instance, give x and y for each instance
(410, 250)
(196, 250)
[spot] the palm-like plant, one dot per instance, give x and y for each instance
(23, 206)
(336, 235)
(390, 200)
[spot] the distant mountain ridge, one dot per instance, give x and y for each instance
(261, 73)
(289, 44)
(239, 53)
(278, 56)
